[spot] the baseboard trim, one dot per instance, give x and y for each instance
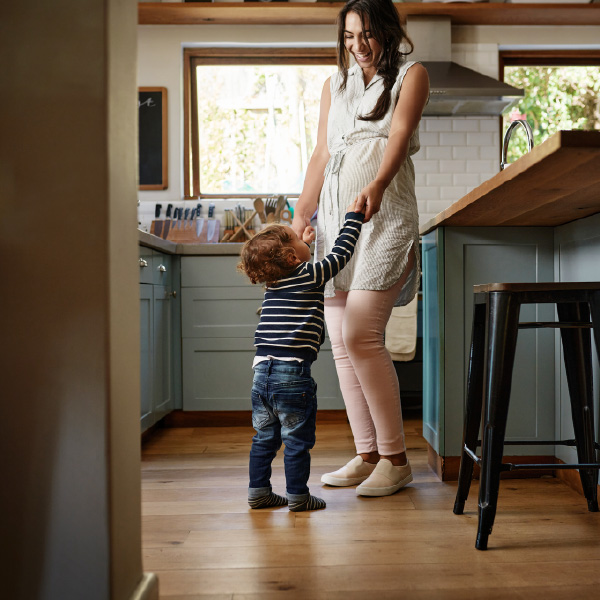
(147, 589)
(447, 467)
(571, 478)
(234, 418)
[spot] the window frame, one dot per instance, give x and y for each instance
(193, 57)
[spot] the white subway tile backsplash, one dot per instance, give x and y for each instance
(427, 192)
(466, 152)
(484, 167)
(429, 138)
(436, 124)
(439, 179)
(439, 152)
(420, 179)
(453, 193)
(471, 180)
(490, 153)
(489, 124)
(427, 166)
(453, 139)
(480, 139)
(452, 166)
(465, 124)
(436, 206)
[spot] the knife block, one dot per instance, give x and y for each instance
(183, 232)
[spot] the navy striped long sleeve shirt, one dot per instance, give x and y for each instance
(292, 321)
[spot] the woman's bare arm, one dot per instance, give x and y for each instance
(405, 120)
(313, 182)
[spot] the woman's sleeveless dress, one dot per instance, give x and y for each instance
(356, 148)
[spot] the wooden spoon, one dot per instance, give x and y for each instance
(259, 207)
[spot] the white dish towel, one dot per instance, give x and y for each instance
(401, 332)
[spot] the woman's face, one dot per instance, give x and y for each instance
(366, 54)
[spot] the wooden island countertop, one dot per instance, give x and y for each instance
(557, 182)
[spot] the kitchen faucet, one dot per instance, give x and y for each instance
(508, 134)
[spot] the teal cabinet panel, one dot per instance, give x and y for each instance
(433, 341)
(146, 356)
(220, 311)
(212, 271)
(163, 374)
(577, 258)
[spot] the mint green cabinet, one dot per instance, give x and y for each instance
(219, 317)
(454, 260)
(159, 335)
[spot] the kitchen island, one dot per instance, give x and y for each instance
(538, 220)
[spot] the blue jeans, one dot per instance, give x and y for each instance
(284, 408)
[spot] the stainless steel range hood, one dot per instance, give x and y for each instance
(455, 90)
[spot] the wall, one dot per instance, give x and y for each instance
(69, 411)
(457, 154)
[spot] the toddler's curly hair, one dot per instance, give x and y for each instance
(266, 257)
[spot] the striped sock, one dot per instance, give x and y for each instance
(267, 501)
(311, 503)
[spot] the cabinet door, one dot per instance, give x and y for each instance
(146, 355)
(162, 376)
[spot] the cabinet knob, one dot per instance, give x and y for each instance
(170, 295)
(143, 263)
(162, 268)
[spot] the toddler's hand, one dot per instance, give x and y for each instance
(308, 236)
(352, 207)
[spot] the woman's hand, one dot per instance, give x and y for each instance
(300, 223)
(369, 199)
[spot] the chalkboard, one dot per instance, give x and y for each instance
(152, 119)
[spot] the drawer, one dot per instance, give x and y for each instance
(212, 271)
(146, 264)
(162, 269)
(211, 312)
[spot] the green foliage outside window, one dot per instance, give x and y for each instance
(556, 98)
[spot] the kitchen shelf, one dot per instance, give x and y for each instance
(324, 13)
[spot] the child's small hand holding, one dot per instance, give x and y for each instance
(352, 207)
(308, 237)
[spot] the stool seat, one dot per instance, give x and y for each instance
(493, 343)
(537, 287)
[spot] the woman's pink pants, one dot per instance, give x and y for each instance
(356, 322)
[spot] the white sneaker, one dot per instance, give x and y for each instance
(356, 471)
(386, 479)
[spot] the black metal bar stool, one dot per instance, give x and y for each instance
(493, 343)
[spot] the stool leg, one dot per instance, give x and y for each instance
(473, 408)
(503, 326)
(577, 351)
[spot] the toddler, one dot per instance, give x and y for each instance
(288, 337)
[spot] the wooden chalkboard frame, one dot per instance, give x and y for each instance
(164, 183)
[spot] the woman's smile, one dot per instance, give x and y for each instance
(360, 43)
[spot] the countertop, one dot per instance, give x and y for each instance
(556, 183)
(152, 241)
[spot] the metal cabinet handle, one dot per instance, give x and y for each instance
(143, 263)
(162, 268)
(170, 295)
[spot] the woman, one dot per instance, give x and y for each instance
(368, 124)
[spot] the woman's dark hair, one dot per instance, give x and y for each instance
(385, 27)
(266, 258)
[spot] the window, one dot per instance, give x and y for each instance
(252, 118)
(562, 91)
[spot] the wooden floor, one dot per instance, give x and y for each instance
(203, 542)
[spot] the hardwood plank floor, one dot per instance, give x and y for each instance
(203, 542)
